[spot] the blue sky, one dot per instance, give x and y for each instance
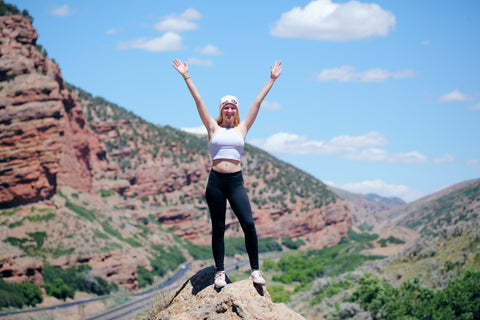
(379, 96)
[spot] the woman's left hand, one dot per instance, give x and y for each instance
(276, 70)
(182, 68)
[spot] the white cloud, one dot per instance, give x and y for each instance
(348, 74)
(448, 158)
(286, 143)
(191, 14)
(112, 31)
(61, 11)
(384, 189)
(474, 107)
(209, 50)
(330, 183)
(168, 42)
(271, 105)
(179, 23)
(370, 139)
(473, 163)
(199, 62)
(381, 155)
(425, 42)
(455, 95)
(172, 24)
(325, 20)
(197, 130)
(357, 148)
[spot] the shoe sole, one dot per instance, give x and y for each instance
(258, 282)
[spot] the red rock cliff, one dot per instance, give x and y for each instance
(44, 141)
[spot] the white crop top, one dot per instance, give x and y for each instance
(226, 143)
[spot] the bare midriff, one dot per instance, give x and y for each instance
(226, 165)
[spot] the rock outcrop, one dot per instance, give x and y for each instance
(16, 266)
(44, 139)
(198, 299)
(320, 227)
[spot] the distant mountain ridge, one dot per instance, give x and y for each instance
(372, 201)
(367, 210)
(391, 201)
(460, 202)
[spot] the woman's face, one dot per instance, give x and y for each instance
(229, 111)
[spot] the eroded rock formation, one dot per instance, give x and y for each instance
(198, 299)
(44, 141)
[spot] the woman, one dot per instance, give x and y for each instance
(226, 136)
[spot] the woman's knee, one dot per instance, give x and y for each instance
(218, 228)
(248, 226)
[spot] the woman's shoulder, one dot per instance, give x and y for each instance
(241, 129)
(213, 129)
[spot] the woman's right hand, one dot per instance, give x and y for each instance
(182, 68)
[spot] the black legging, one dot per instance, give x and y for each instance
(220, 188)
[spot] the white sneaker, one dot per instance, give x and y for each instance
(220, 280)
(257, 277)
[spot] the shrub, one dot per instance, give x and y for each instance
(59, 289)
(106, 193)
(291, 244)
(163, 261)
(81, 211)
(330, 290)
(10, 298)
(110, 230)
(17, 295)
(307, 265)
(268, 264)
(394, 240)
(31, 293)
(134, 243)
(361, 237)
(62, 283)
(38, 237)
(144, 277)
(459, 300)
(279, 294)
(268, 245)
(197, 251)
(25, 243)
(237, 246)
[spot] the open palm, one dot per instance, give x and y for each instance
(276, 69)
(182, 68)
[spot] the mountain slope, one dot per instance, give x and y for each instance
(449, 207)
(460, 202)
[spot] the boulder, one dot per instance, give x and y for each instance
(199, 299)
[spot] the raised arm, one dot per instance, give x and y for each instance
(247, 123)
(209, 123)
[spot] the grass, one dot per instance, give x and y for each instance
(81, 211)
(160, 301)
